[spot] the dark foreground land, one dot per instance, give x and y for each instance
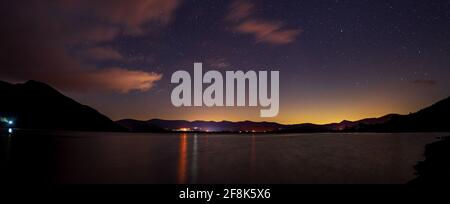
(436, 166)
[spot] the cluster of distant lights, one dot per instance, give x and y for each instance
(207, 130)
(186, 129)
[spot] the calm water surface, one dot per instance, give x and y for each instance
(83, 157)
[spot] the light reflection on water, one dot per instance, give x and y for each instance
(185, 154)
(182, 160)
(194, 162)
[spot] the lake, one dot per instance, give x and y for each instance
(93, 157)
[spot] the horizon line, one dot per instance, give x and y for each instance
(236, 121)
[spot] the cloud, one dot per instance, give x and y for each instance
(123, 80)
(102, 53)
(40, 41)
(110, 79)
(427, 82)
(218, 63)
(268, 32)
(241, 16)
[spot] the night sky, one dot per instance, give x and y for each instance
(338, 59)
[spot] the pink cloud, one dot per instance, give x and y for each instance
(123, 80)
(268, 32)
(241, 15)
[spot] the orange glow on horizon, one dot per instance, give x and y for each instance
(317, 111)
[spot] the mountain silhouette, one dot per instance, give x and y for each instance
(35, 105)
(434, 118)
(222, 126)
(431, 119)
(363, 125)
(435, 169)
(140, 126)
(247, 126)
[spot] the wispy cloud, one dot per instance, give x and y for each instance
(123, 80)
(268, 32)
(241, 16)
(218, 63)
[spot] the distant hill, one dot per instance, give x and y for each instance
(35, 105)
(344, 126)
(435, 118)
(212, 126)
(140, 126)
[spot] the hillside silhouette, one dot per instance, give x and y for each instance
(436, 167)
(434, 118)
(35, 105)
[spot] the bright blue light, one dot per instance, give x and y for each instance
(10, 130)
(10, 122)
